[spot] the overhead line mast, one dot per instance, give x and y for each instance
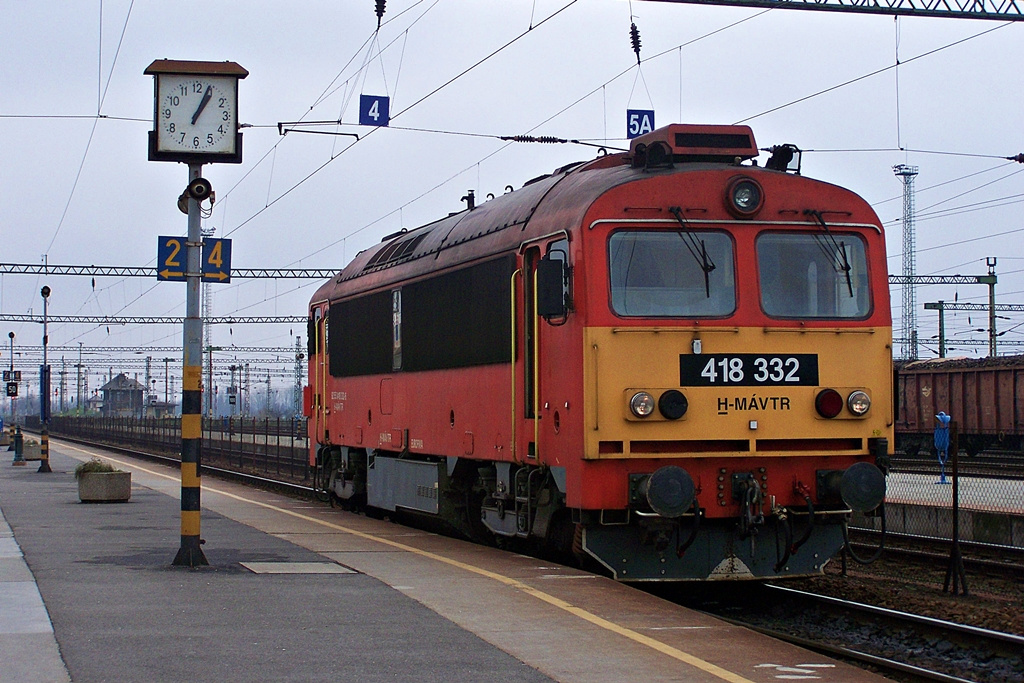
(1004, 10)
(907, 174)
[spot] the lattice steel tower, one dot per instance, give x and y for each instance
(207, 314)
(299, 375)
(907, 174)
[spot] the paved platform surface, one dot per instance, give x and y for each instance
(297, 591)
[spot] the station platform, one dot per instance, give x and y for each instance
(298, 591)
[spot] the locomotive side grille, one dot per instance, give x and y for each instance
(395, 251)
(729, 141)
(694, 446)
(818, 445)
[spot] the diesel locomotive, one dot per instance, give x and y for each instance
(672, 362)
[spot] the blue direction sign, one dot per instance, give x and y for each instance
(216, 260)
(171, 259)
(639, 122)
(374, 110)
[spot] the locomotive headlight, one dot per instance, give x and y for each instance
(642, 404)
(672, 404)
(858, 402)
(744, 197)
(828, 403)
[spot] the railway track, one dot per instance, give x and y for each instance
(996, 561)
(904, 646)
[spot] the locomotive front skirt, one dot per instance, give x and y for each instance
(672, 362)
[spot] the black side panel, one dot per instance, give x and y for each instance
(458, 319)
(359, 336)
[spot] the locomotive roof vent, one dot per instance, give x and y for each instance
(693, 142)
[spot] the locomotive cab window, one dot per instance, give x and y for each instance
(678, 273)
(813, 275)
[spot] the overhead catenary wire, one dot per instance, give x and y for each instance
(872, 73)
(422, 99)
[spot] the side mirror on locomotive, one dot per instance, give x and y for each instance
(551, 278)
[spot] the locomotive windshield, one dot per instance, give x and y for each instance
(806, 275)
(672, 274)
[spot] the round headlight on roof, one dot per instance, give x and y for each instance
(642, 404)
(858, 402)
(744, 197)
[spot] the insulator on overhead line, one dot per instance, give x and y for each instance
(550, 139)
(1019, 158)
(380, 10)
(634, 38)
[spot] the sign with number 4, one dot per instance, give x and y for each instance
(374, 110)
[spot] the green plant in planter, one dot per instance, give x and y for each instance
(94, 465)
(101, 482)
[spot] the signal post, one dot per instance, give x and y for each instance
(195, 121)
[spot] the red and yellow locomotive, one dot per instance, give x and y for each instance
(671, 360)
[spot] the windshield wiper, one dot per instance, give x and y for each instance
(838, 249)
(695, 247)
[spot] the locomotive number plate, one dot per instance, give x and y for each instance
(748, 370)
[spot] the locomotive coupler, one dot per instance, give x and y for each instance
(746, 490)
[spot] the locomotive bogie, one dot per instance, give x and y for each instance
(665, 361)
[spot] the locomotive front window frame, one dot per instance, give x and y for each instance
(672, 273)
(813, 275)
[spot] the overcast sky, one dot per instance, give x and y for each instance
(79, 190)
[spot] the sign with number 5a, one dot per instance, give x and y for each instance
(639, 122)
(374, 110)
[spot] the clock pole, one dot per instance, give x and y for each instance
(195, 121)
(191, 553)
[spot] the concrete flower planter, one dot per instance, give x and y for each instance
(105, 487)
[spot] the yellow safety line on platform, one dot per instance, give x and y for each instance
(601, 622)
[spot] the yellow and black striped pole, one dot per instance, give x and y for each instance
(191, 553)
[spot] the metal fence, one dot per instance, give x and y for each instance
(989, 498)
(919, 498)
(277, 447)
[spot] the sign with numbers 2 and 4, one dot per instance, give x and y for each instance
(170, 259)
(374, 110)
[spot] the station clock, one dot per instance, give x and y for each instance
(195, 112)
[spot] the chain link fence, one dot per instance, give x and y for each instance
(919, 498)
(990, 497)
(275, 447)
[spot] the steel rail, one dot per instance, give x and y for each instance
(931, 622)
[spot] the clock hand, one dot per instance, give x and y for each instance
(202, 105)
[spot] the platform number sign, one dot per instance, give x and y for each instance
(216, 260)
(374, 110)
(170, 256)
(639, 122)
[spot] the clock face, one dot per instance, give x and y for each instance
(196, 114)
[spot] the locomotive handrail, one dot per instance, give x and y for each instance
(512, 288)
(536, 373)
(822, 330)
